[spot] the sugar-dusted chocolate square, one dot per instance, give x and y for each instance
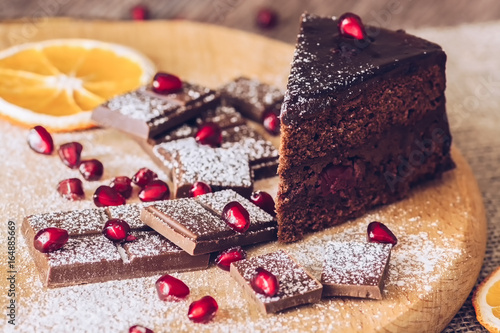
(355, 269)
(198, 229)
(296, 285)
(89, 257)
(146, 114)
(252, 98)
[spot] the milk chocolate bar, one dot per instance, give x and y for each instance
(296, 286)
(191, 162)
(89, 257)
(355, 269)
(252, 98)
(145, 114)
(195, 224)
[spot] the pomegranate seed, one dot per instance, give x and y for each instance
(122, 185)
(350, 25)
(155, 190)
(143, 177)
(267, 18)
(139, 329)
(271, 122)
(107, 196)
(71, 189)
(225, 258)
(203, 310)
(264, 200)
(116, 230)
(334, 178)
(130, 238)
(378, 232)
(236, 216)
(264, 282)
(40, 140)
(140, 13)
(50, 239)
(209, 134)
(164, 83)
(199, 188)
(91, 169)
(170, 288)
(70, 154)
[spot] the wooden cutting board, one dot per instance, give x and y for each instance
(441, 227)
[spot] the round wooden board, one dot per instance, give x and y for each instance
(441, 227)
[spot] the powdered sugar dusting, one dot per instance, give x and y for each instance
(74, 222)
(84, 250)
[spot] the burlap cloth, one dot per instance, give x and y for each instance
(473, 95)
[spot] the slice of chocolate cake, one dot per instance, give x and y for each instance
(363, 120)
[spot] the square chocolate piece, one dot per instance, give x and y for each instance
(296, 286)
(355, 269)
(195, 224)
(89, 257)
(146, 114)
(191, 162)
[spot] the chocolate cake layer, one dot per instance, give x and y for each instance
(362, 122)
(146, 114)
(89, 257)
(355, 269)
(195, 224)
(296, 286)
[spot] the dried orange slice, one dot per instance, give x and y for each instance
(57, 83)
(486, 302)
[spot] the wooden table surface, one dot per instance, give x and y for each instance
(241, 14)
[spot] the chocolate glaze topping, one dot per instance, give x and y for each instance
(326, 64)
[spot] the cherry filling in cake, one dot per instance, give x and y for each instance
(363, 120)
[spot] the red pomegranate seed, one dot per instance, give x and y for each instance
(209, 134)
(139, 329)
(143, 177)
(264, 282)
(122, 185)
(155, 190)
(140, 13)
(106, 196)
(116, 230)
(203, 310)
(164, 83)
(91, 169)
(71, 189)
(40, 140)
(266, 18)
(378, 232)
(350, 25)
(264, 200)
(271, 122)
(170, 288)
(334, 178)
(199, 188)
(225, 258)
(50, 239)
(236, 216)
(70, 154)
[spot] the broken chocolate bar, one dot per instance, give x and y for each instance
(252, 98)
(195, 224)
(146, 114)
(191, 162)
(89, 257)
(296, 286)
(355, 269)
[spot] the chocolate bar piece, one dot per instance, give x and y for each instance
(146, 114)
(252, 98)
(296, 286)
(262, 154)
(195, 224)
(191, 162)
(355, 269)
(89, 257)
